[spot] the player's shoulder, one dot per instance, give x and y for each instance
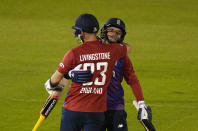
(76, 49)
(69, 53)
(117, 45)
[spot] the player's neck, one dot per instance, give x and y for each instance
(90, 37)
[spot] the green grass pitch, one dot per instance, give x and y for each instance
(35, 34)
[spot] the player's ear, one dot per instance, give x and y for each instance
(83, 33)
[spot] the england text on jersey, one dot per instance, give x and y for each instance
(96, 56)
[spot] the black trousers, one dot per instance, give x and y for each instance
(115, 120)
(81, 121)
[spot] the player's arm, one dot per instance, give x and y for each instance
(144, 112)
(58, 81)
(64, 82)
(52, 84)
(131, 79)
(56, 78)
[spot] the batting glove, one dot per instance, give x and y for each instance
(49, 88)
(78, 75)
(144, 112)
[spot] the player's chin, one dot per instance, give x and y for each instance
(113, 40)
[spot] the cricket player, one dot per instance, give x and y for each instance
(113, 32)
(86, 103)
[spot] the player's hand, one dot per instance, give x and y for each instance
(79, 75)
(49, 88)
(144, 112)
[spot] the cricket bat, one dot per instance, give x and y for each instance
(50, 103)
(47, 108)
(147, 124)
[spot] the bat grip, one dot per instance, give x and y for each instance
(41, 118)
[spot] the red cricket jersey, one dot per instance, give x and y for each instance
(100, 59)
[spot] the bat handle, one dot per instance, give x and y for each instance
(41, 118)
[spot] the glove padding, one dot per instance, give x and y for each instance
(144, 115)
(78, 75)
(144, 112)
(49, 88)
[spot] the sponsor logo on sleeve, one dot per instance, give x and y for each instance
(61, 65)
